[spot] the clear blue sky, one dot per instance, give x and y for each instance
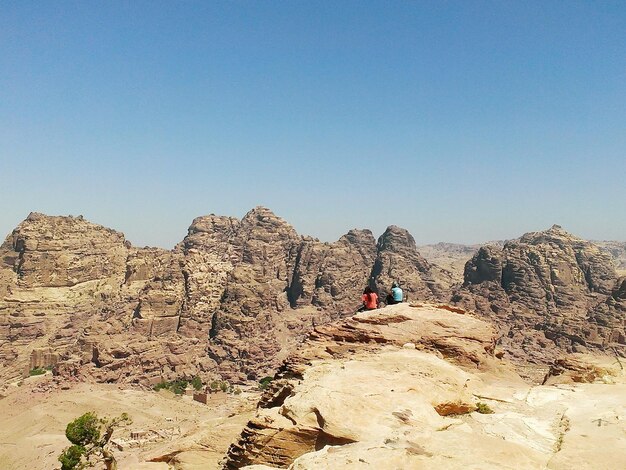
(462, 121)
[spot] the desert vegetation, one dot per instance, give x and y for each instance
(90, 437)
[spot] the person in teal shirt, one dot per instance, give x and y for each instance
(396, 295)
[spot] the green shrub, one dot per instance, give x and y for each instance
(483, 408)
(37, 371)
(264, 382)
(196, 383)
(90, 437)
(83, 430)
(70, 457)
(176, 386)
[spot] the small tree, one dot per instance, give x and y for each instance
(90, 437)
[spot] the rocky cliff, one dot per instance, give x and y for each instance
(231, 299)
(452, 256)
(617, 250)
(236, 296)
(547, 291)
(78, 296)
(419, 387)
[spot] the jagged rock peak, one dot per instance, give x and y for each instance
(41, 231)
(212, 223)
(359, 237)
(485, 265)
(263, 220)
(556, 233)
(262, 214)
(37, 216)
(547, 293)
(395, 237)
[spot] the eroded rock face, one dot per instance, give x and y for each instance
(333, 275)
(236, 296)
(357, 394)
(297, 414)
(231, 299)
(617, 250)
(546, 290)
(53, 268)
(397, 259)
(79, 298)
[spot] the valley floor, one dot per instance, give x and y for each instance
(32, 430)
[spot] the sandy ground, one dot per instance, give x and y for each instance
(32, 426)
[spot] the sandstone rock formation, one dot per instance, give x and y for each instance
(452, 256)
(79, 297)
(617, 250)
(236, 296)
(256, 287)
(364, 352)
(547, 290)
(398, 259)
(231, 299)
(400, 388)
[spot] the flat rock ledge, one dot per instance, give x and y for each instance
(420, 387)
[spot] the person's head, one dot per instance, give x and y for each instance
(394, 285)
(368, 290)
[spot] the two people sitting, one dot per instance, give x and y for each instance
(370, 298)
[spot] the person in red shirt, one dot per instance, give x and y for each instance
(370, 299)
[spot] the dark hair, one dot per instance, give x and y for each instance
(368, 290)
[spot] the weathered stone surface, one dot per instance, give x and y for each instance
(617, 250)
(93, 303)
(268, 286)
(235, 295)
(359, 399)
(368, 345)
(52, 269)
(333, 275)
(584, 368)
(548, 292)
(398, 260)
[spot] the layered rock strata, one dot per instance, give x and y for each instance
(617, 250)
(77, 296)
(231, 299)
(419, 388)
(260, 286)
(547, 292)
(236, 296)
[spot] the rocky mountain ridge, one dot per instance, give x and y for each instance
(547, 290)
(230, 299)
(617, 250)
(236, 296)
(454, 256)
